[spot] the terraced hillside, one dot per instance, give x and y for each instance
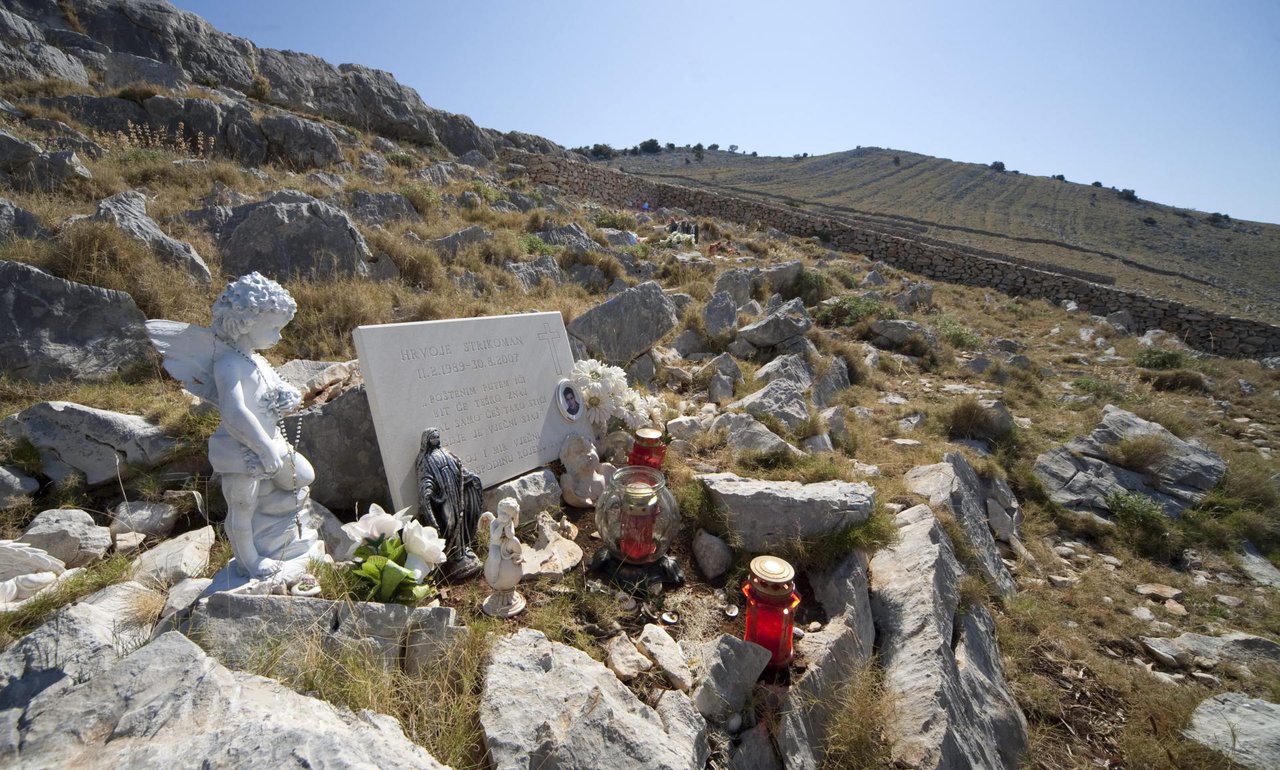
(1191, 256)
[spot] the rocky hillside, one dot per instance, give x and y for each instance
(1190, 256)
(1024, 536)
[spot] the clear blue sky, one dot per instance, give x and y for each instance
(1179, 101)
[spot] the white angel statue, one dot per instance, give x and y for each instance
(264, 479)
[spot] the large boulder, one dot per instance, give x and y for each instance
(835, 654)
(1234, 648)
(952, 706)
(766, 515)
(897, 334)
(789, 320)
(955, 484)
(26, 166)
(172, 561)
(1080, 474)
(101, 445)
(745, 433)
(626, 325)
(377, 208)
(124, 716)
(449, 246)
(292, 235)
(25, 54)
(52, 328)
(299, 143)
(127, 211)
(236, 628)
(17, 222)
(1244, 729)
(781, 399)
(339, 439)
(546, 704)
(77, 642)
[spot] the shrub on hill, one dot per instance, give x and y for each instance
(1143, 526)
(998, 166)
(853, 309)
(1154, 358)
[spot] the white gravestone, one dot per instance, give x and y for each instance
(491, 385)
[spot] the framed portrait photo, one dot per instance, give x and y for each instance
(569, 400)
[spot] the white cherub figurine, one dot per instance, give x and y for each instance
(264, 479)
(585, 476)
(502, 570)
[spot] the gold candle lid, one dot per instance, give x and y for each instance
(649, 435)
(772, 571)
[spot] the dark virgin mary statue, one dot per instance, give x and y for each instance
(449, 500)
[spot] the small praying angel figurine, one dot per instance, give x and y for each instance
(502, 570)
(264, 479)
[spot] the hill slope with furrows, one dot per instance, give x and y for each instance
(1196, 257)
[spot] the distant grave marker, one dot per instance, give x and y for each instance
(493, 386)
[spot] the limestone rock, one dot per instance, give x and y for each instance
(789, 320)
(720, 316)
(15, 486)
(1079, 475)
(572, 237)
(895, 334)
(834, 654)
(953, 706)
(732, 667)
(127, 211)
(1257, 566)
(713, 555)
(229, 718)
(69, 535)
(549, 705)
(624, 659)
(121, 444)
(765, 515)
(77, 642)
(292, 235)
(535, 491)
(150, 519)
(377, 208)
(1245, 729)
(184, 594)
(780, 399)
(16, 222)
(338, 438)
(1197, 650)
(235, 628)
(449, 246)
(52, 328)
(626, 325)
(299, 143)
(738, 283)
(954, 483)
(659, 647)
(755, 751)
(175, 560)
(544, 269)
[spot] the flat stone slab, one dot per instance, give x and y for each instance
(1245, 729)
(764, 515)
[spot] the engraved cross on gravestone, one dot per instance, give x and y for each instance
(549, 334)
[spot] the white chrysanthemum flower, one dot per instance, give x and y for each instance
(588, 371)
(655, 409)
(631, 410)
(424, 549)
(598, 403)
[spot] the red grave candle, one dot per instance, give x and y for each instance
(648, 449)
(639, 514)
(771, 605)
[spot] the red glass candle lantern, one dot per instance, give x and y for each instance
(648, 450)
(637, 516)
(771, 606)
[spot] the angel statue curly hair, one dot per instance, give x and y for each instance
(246, 298)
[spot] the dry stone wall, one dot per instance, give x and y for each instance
(1201, 329)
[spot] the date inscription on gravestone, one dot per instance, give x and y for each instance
(489, 385)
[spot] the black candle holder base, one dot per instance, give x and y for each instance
(635, 578)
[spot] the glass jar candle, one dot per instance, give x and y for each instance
(771, 606)
(648, 450)
(637, 515)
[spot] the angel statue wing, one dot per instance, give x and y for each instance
(17, 559)
(188, 353)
